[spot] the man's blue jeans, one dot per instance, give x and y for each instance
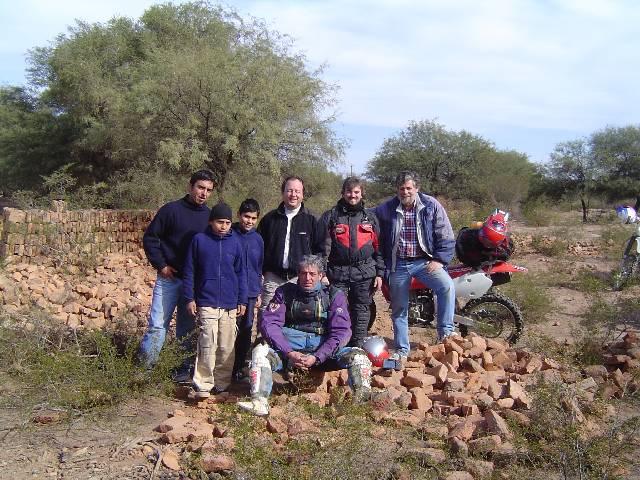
(439, 281)
(167, 296)
(300, 342)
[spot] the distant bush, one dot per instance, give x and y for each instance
(549, 246)
(529, 293)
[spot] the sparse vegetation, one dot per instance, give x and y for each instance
(559, 439)
(75, 370)
(588, 281)
(530, 295)
(549, 246)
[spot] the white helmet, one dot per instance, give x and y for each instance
(627, 214)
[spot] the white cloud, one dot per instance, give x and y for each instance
(568, 65)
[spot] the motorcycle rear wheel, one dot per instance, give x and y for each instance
(496, 315)
(629, 264)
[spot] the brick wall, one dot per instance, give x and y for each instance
(58, 237)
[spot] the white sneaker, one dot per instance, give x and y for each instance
(197, 394)
(258, 406)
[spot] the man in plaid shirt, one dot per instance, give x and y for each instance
(417, 241)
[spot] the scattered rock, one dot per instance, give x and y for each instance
(480, 469)
(170, 460)
(457, 475)
(428, 456)
(217, 463)
(496, 424)
(49, 416)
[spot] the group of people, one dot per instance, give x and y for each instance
(312, 279)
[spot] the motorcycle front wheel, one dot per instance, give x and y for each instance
(495, 315)
(628, 265)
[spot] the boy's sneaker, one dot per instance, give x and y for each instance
(258, 406)
(182, 376)
(198, 394)
(217, 390)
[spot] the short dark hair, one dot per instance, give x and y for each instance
(351, 182)
(406, 175)
(249, 205)
(206, 175)
(288, 179)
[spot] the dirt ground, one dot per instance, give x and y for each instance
(121, 445)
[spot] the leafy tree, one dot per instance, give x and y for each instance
(184, 87)
(454, 164)
(573, 169)
(605, 163)
(617, 151)
(34, 141)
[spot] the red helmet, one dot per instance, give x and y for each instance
(495, 229)
(376, 349)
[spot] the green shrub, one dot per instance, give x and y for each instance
(528, 291)
(549, 246)
(72, 369)
(536, 213)
(557, 441)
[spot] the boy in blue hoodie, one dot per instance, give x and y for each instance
(248, 215)
(215, 287)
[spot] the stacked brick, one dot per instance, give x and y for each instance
(117, 289)
(42, 237)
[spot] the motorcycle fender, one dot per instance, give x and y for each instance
(472, 285)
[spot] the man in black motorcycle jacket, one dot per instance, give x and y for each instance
(354, 261)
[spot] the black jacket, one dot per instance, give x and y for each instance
(351, 243)
(169, 234)
(303, 240)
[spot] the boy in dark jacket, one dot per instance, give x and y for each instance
(248, 214)
(215, 287)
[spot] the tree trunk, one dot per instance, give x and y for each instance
(585, 210)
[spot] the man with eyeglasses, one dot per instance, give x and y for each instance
(289, 232)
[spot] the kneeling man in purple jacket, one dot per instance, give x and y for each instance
(306, 325)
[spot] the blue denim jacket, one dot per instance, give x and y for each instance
(435, 234)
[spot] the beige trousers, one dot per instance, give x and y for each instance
(215, 357)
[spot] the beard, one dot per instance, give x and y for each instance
(407, 201)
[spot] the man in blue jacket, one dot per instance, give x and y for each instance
(165, 242)
(417, 241)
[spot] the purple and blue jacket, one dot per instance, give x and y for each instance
(337, 328)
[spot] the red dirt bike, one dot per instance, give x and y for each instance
(479, 307)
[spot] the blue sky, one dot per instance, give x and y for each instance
(524, 74)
